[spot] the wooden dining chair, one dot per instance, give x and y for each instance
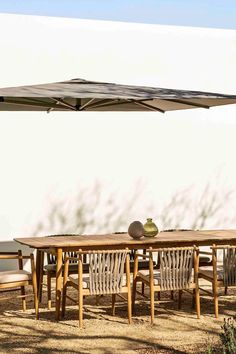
(178, 270)
(109, 274)
(18, 279)
(220, 276)
(49, 269)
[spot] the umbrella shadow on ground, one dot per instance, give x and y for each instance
(37, 340)
(104, 333)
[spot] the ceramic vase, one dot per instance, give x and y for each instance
(136, 229)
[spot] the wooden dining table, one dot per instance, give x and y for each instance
(57, 244)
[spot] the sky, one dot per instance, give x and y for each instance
(196, 13)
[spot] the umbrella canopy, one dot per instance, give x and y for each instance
(82, 95)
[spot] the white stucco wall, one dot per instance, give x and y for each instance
(46, 157)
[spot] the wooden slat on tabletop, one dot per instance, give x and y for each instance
(171, 238)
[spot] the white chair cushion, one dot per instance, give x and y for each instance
(156, 275)
(74, 279)
(12, 276)
(208, 271)
(73, 267)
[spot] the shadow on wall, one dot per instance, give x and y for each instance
(95, 211)
(92, 211)
(12, 246)
(209, 209)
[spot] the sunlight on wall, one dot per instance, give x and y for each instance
(45, 158)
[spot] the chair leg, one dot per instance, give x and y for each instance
(197, 301)
(80, 309)
(36, 299)
(215, 294)
(159, 296)
(22, 289)
(226, 290)
(180, 299)
(172, 295)
(49, 292)
(63, 310)
(129, 305)
(113, 304)
(194, 299)
(152, 304)
(134, 295)
(40, 292)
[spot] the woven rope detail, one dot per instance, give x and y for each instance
(106, 271)
(229, 266)
(52, 258)
(176, 268)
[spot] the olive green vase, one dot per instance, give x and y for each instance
(150, 229)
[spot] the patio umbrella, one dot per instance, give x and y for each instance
(82, 95)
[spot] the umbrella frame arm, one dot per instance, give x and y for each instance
(188, 103)
(117, 101)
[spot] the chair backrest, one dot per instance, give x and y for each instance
(229, 265)
(52, 258)
(106, 270)
(10, 258)
(176, 265)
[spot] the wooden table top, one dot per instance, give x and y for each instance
(123, 240)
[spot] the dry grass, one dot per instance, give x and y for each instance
(175, 331)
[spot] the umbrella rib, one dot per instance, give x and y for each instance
(24, 100)
(188, 103)
(30, 103)
(152, 108)
(101, 103)
(81, 108)
(118, 102)
(63, 103)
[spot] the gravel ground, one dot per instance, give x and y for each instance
(174, 331)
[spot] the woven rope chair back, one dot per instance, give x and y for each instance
(106, 270)
(176, 268)
(52, 258)
(229, 266)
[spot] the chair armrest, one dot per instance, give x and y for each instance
(136, 262)
(12, 255)
(25, 257)
(141, 255)
(222, 247)
(205, 252)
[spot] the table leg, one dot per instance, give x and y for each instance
(58, 283)
(38, 270)
(41, 276)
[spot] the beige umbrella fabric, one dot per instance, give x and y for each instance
(82, 95)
